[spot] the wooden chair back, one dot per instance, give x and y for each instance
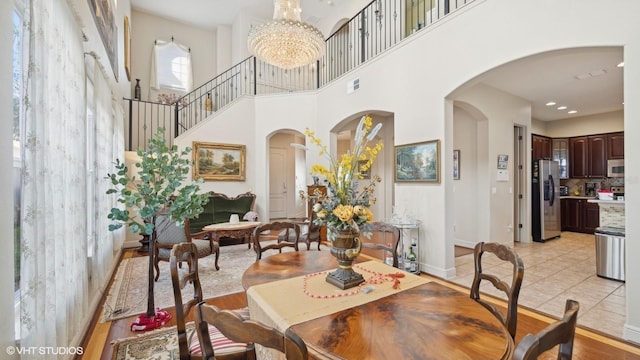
(384, 239)
(281, 242)
(561, 332)
(169, 234)
(236, 329)
(179, 281)
(512, 291)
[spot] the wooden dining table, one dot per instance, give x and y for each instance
(422, 320)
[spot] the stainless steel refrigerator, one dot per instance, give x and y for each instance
(545, 189)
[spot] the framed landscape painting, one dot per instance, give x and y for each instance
(213, 161)
(419, 162)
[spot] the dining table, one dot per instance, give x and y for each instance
(393, 315)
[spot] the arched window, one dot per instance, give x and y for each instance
(171, 67)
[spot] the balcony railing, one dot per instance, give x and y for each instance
(373, 30)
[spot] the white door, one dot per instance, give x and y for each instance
(278, 170)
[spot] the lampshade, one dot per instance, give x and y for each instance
(286, 41)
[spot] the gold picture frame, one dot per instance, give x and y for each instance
(127, 48)
(418, 162)
(103, 15)
(214, 161)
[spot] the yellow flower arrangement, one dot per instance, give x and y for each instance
(344, 207)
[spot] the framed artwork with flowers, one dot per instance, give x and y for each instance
(365, 172)
(418, 162)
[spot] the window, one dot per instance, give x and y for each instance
(171, 67)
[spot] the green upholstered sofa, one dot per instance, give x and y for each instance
(219, 209)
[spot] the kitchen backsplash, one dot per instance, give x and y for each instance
(579, 184)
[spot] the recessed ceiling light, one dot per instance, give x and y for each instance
(550, 103)
(561, 107)
(620, 64)
(572, 111)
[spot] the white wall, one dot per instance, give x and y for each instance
(146, 28)
(465, 191)
(223, 44)
(428, 67)
(586, 125)
(632, 184)
(503, 111)
(239, 34)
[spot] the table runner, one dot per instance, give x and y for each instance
(284, 303)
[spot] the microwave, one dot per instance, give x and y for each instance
(615, 168)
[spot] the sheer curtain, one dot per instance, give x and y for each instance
(108, 145)
(171, 67)
(54, 276)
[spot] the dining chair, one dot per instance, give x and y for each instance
(276, 227)
(512, 291)
(309, 232)
(384, 241)
(561, 332)
(190, 347)
(168, 234)
(245, 331)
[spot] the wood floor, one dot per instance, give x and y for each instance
(588, 345)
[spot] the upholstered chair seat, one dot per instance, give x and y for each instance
(169, 234)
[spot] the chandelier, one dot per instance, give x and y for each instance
(286, 41)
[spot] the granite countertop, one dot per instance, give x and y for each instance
(580, 197)
(607, 202)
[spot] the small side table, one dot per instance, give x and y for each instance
(410, 238)
(242, 230)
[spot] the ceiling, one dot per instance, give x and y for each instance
(583, 79)
(210, 13)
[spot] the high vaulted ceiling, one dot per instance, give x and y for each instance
(211, 13)
(584, 79)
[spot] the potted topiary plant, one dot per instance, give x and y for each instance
(158, 190)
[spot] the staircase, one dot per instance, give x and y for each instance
(373, 30)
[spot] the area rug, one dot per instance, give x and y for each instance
(128, 293)
(160, 344)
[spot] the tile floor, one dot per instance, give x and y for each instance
(554, 271)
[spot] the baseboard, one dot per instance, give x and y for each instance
(439, 272)
(465, 243)
(631, 333)
(131, 244)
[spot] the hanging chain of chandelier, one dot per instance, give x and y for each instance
(286, 41)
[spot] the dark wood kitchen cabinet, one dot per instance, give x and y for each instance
(588, 156)
(591, 217)
(579, 215)
(597, 157)
(540, 147)
(578, 157)
(615, 145)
